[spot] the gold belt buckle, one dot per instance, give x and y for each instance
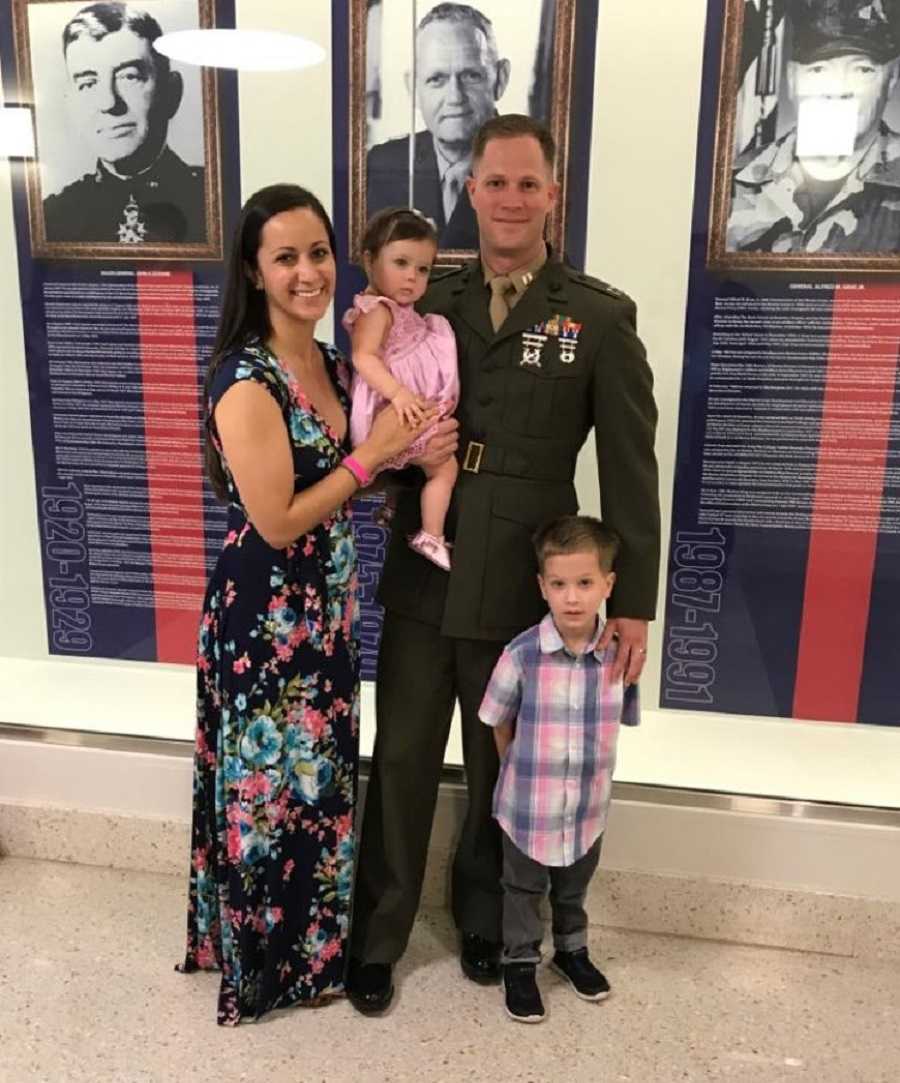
(473, 456)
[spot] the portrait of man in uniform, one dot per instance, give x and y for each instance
(460, 78)
(462, 65)
(815, 169)
(117, 182)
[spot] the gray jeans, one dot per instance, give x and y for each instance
(525, 883)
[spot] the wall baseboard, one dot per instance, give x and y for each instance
(779, 881)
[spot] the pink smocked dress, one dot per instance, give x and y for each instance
(420, 352)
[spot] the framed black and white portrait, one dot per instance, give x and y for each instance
(127, 149)
(807, 161)
(425, 75)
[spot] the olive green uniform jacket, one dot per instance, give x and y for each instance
(523, 420)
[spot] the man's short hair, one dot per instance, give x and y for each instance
(510, 126)
(98, 20)
(576, 534)
(462, 15)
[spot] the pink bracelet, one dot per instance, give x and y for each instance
(356, 468)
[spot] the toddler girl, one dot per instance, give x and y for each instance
(404, 358)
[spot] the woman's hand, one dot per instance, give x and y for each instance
(390, 435)
(408, 407)
(442, 446)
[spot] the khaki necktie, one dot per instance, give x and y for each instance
(498, 309)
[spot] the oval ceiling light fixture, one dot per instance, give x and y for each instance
(243, 50)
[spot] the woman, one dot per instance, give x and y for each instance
(277, 736)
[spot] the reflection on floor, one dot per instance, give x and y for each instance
(88, 993)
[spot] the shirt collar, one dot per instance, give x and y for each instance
(105, 168)
(445, 165)
(520, 277)
(552, 641)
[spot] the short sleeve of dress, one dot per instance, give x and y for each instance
(363, 303)
(245, 366)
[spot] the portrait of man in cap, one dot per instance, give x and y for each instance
(116, 180)
(822, 171)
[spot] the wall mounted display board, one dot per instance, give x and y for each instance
(784, 564)
(120, 223)
(534, 57)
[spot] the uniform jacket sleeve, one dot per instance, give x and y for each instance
(624, 430)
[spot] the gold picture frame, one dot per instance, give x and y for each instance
(43, 247)
(560, 98)
(719, 257)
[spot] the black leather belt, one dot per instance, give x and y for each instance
(480, 457)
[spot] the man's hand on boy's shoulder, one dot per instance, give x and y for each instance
(631, 653)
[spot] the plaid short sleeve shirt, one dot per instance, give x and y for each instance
(553, 791)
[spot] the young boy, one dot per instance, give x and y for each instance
(555, 710)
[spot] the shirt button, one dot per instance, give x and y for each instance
(485, 398)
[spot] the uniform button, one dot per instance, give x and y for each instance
(485, 399)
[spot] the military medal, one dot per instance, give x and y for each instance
(563, 328)
(132, 229)
(532, 345)
(568, 340)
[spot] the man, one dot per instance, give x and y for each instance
(459, 79)
(841, 75)
(545, 354)
(124, 94)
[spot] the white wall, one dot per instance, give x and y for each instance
(645, 117)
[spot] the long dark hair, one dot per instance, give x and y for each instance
(244, 314)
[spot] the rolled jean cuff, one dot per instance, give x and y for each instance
(570, 941)
(526, 953)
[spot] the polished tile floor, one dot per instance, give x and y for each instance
(88, 993)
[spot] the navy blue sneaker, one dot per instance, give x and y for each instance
(578, 970)
(523, 998)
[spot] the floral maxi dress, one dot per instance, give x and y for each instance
(277, 734)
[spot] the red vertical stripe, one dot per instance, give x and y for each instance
(174, 468)
(856, 419)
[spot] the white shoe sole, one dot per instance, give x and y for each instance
(525, 1018)
(592, 997)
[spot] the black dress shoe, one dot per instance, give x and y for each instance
(369, 986)
(480, 959)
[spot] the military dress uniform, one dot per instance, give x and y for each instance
(566, 359)
(165, 204)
